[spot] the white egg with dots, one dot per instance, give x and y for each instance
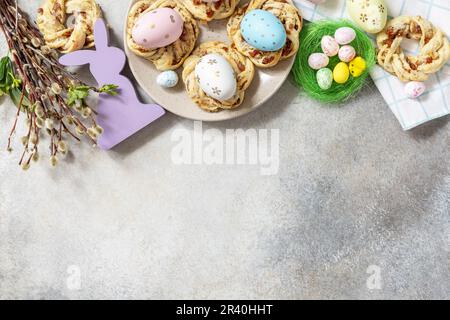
(347, 53)
(344, 35)
(370, 15)
(318, 60)
(216, 77)
(414, 89)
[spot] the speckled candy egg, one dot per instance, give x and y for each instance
(357, 66)
(329, 46)
(167, 79)
(216, 77)
(344, 35)
(318, 60)
(324, 78)
(347, 53)
(263, 30)
(341, 73)
(158, 28)
(414, 89)
(370, 15)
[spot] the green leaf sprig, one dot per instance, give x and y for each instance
(78, 94)
(10, 84)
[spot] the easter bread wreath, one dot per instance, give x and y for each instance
(168, 57)
(242, 67)
(433, 53)
(52, 19)
(289, 17)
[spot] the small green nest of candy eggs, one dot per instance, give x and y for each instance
(333, 77)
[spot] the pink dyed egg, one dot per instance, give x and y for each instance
(414, 89)
(329, 46)
(344, 35)
(318, 61)
(158, 28)
(347, 53)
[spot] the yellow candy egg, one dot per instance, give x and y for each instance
(357, 66)
(341, 73)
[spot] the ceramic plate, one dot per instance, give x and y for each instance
(176, 100)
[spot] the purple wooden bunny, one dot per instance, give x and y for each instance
(120, 116)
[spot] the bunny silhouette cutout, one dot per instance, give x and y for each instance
(120, 116)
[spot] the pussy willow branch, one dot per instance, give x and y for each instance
(45, 84)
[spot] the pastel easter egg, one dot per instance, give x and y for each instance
(341, 73)
(317, 1)
(347, 53)
(318, 60)
(414, 89)
(357, 66)
(324, 78)
(263, 30)
(370, 15)
(329, 46)
(167, 79)
(158, 28)
(216, 77)
(344, 35)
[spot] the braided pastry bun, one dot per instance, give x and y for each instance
(243, 69)
(289, 16)
(208, 11)
(172, 56)
(433, 43)
(52, 18)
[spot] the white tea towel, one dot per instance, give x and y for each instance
(435, 102)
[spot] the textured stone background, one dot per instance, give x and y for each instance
(353, 190)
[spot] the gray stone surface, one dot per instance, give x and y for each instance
(353, 191)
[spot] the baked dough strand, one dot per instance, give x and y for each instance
(208, 11)
(241, 65)
(289, 17)
(434, 48)
(172, 56)
(52, 19)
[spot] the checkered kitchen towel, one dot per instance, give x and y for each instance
(435, 102)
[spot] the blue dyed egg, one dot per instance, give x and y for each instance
(167, 79)
(263, 30)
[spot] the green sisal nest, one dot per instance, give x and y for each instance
(305, 76)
